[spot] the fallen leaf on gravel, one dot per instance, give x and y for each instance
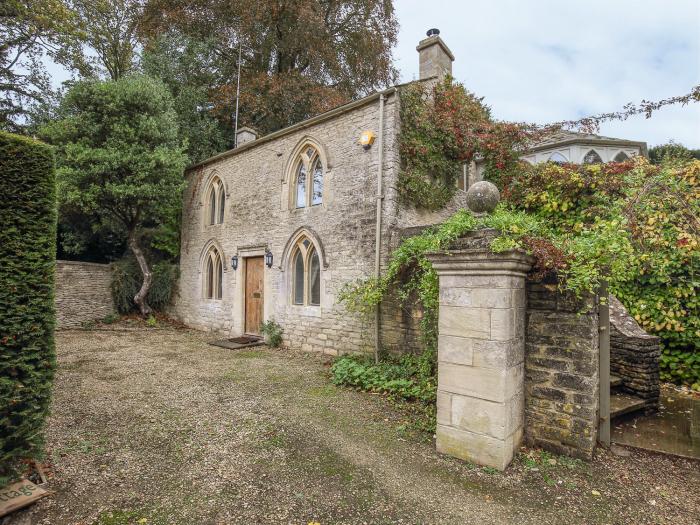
(595, 493)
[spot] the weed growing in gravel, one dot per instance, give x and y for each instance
(111, 319)
(83, 446)
(248, 354)
(121, 517)
(323, 391)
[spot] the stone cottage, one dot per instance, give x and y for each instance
(274, 228)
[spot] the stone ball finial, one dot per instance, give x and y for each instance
(483, 197)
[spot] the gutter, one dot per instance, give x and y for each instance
(378, 231)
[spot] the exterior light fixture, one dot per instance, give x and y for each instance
(234, 262)
(367, 139)
(268, 258)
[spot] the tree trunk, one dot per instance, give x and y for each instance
(140, 297)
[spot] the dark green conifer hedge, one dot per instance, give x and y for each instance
(27, 317)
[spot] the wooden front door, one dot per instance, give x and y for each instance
(254, 274)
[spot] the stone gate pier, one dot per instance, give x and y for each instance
(481, 349)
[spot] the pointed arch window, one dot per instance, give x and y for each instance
(306, 274)
(213, 284)
(558, 158)
(215, 202)
(621, 157)
(308, 179)
(592, 157)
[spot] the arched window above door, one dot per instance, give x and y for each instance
(215, 202)
(308, 178)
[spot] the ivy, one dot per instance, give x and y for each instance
(444, 126)
(631, 224)
(659, 209)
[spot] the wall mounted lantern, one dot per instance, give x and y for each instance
(234, 262)
(268, 258)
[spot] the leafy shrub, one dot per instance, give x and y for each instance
(272, 332)
(111, 319)
(405, 378)
(659, 208)
(126, 282)
(409, 378)
(633, 224)
(27, 317)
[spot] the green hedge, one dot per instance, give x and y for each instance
(27, 317)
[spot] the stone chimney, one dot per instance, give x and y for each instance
(434, 56)
(245, 135)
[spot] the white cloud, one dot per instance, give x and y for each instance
(544, 61)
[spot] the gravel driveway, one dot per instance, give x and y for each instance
(155, 426)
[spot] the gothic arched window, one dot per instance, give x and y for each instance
(213, 275)
(558, 158)
(621, 157)
(306, 273)
(215, 202)
(308, 181)
(592, 157)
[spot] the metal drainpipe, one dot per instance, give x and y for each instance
(378, 232)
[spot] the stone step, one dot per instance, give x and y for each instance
(615, 381)
(624, 404)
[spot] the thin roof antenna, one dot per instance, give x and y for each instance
(238, 94)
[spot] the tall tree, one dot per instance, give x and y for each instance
(120, 160)
(110, 40)
(298, 57)
(189, 68)
(29, 31)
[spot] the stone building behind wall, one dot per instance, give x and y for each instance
(322, 205)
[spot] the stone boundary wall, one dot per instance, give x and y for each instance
(82, 293)
(561, 371)
(634, 355)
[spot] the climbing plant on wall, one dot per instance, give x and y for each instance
(660, 208)
(443, 126)
(27, 319)
(632, 224)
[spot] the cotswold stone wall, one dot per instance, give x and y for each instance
(634, 355)
(561, 371)
(82, 293)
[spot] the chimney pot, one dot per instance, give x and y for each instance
(245, 135)
(435, 58)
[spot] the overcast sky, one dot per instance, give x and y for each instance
(549, 60)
